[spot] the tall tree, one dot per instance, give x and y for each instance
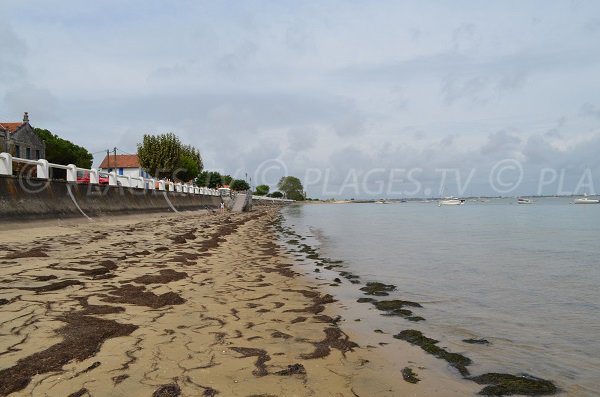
(292, 187)
(62, 151)
(210, 179)
(164, 156)
(226, 179)
(190, 163)
(262, 190)
(159, 155)
(239, 185)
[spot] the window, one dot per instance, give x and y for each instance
(28, 153)
(37, 154)
(17, 151)
(120, 171)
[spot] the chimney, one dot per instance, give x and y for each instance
(26, 118)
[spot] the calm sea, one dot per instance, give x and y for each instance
(524, 277)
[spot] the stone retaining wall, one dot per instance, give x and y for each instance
(30, 199)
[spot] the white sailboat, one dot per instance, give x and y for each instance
(451, 201)
(586, 200)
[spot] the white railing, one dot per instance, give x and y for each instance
(137, 182)
(271, 199)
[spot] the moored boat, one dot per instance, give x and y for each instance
(586, 200)
(523, 200)
(451, 201)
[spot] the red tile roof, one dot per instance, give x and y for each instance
(122, 161)
(10, 127)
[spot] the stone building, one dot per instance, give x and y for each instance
(21, 140)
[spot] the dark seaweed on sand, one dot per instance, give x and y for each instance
(508, 385)
(456, 360)
(377, 289)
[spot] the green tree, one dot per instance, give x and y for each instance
(292, 187)
(190, 163)
(262, 190)
(61, 151)
(239, 185)
(226, 179)
(210, 179)
(160, 155)
(298, 196)
(276, 195)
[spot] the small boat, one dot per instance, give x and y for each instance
(586, 200)
(523, 200)
(451, 201)
(382, 201)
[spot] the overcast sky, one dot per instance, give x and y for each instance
(357, 98)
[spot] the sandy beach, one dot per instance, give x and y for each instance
(194, 304)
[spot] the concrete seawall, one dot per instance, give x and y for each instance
(29, 199)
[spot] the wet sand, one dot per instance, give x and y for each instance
(193, 305)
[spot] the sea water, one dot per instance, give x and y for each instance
(524, 277)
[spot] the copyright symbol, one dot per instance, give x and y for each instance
(270, 171)
(506, 175)
(28, 183)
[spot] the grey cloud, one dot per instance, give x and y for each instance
(539, 151)
(448, 140)
(399, 97)
(348, 124)
(301, 139)
(299, 39)
(554, 132)
(481, 87)
(163, 73)
(13, 59)
(475, 88)
(501, 144)
(232, 61)
(592, 26)
(41, 104)
(415, 34)
(590, 110)
(464, 38)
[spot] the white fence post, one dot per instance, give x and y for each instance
(6, 164)
(161, 185)
(94, 177)
(112, 178)
(71, 173)
(43, 169)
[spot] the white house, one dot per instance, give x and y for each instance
(124, 164)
